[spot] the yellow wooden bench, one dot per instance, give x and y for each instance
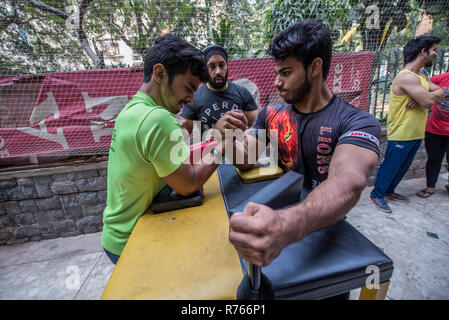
(185, 254)
(181, 254)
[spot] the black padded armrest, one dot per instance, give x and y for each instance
(168, 199)
(278, 194)
(325, 263)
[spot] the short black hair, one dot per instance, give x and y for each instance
(414, 47)
(177, 56)
(305, 40)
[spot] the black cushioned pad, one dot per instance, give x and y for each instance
(280, 193)
(168, 199)
(325, 263)
(232, 188)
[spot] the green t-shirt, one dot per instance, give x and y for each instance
(146, 145)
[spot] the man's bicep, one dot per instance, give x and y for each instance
(163, 143)
(179, 179)
(412, 86)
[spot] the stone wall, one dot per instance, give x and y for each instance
(53, 202)
(67, 201)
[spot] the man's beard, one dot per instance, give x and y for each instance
(301, 93)
(218, 85)
(429, 63)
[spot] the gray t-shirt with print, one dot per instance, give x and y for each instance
(209, 106)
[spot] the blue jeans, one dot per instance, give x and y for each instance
(113, 257)
(398, 159)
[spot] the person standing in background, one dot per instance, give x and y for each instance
(437, 138)
(411, 96)
(219, 103)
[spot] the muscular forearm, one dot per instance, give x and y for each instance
(260, 234)
(247, 152)
(433, 97)
(423, 98)
(324, 206)
(190, 177)
(240, 156)
(435, 94)
(428, 101)
(201, 172)
(438, 94)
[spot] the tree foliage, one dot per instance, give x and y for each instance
(236, 25)
(35, 40)
(283, 13)
(63, 35)
(50, 35)
(370, 21)
(54, 35)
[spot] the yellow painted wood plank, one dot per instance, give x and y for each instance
(375, 294)
(182, 254)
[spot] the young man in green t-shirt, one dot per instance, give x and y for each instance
(147, 150)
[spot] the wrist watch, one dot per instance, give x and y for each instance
(217, 154)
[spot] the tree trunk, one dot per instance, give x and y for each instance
(97, 59)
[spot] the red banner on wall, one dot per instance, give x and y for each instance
(73, 113)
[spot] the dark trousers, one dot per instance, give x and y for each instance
(436, 146)
(113, 257)
(398, 159)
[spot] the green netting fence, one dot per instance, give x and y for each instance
(38, 37)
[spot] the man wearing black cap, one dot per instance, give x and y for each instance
(219, 103)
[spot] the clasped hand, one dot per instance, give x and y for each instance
(258, 233)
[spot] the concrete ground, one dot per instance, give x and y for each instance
(415, 236)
